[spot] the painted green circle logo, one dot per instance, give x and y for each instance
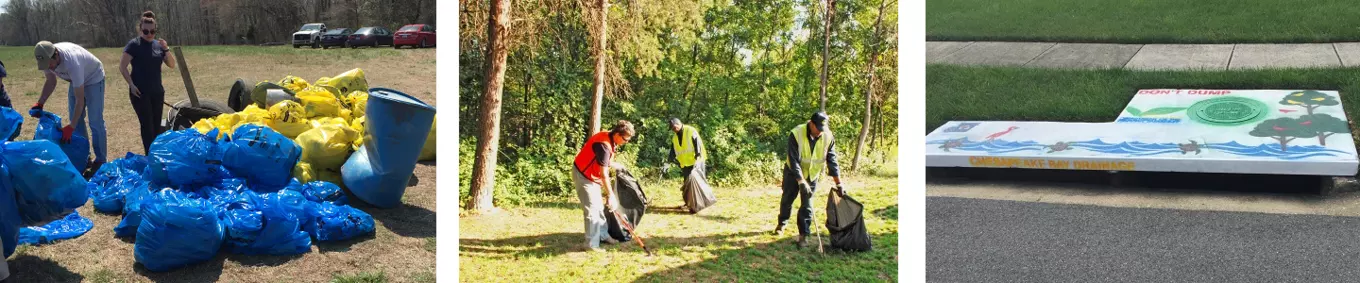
(1227, 111)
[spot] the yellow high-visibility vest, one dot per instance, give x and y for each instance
(685, 149)
(813, 157)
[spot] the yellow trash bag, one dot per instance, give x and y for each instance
(326, 148)
(350, 81)
(318, 102)
(204, 126)
(287, 118)
(253, 114)
(358, 103)
(303, 172)
(427, 151)
(358, 126)
(294, 83)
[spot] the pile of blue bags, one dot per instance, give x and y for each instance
(38, 182)
(195, 195)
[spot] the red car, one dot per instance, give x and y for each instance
(416, 35)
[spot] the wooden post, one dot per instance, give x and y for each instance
(184, 73)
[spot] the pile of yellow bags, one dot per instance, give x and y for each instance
(327, 122)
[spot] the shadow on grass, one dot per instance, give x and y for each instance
(405, 220)
(207, 271)
(781, 261)
(889, 212)
(562, 243)
(681, 210)
(27, 268)
(342, 246)
(262, 260)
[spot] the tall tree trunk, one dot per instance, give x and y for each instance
(484, 167)
(826, 46)
(869, 90)
(601, 50)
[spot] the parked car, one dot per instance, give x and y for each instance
(370, 36)
(416, 35)
(336, 37)
(309, 34)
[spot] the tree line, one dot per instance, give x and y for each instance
(538, 76)
(111, 23)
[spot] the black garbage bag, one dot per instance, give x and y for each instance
(698, 194)
(845, 222)
(632, 204)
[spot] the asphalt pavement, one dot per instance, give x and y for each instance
(980, 240)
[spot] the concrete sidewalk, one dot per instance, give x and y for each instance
(1144, 56)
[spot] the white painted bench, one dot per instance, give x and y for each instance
(1286, 132)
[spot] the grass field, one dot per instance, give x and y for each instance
(1027, 94)
(402, 249)
(1143, 21)
(729, 242)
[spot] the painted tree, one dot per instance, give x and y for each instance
(1309, 100)
(488, 142)
(1324, 126)
(1284, 130)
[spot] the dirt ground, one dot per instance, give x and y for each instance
(401, 250)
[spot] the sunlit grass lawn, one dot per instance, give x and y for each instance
(728, 242)
(1143, 21)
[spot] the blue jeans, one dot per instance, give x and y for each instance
(94, 113)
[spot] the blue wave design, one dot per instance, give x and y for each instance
(1135, 148)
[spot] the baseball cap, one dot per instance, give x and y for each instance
(43, 52)
(819, 119)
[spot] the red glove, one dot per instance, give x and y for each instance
(66, 133)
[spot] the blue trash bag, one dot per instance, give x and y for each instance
(73, 225)
(49, 128)
(110, 185)
(322, 191)
(176, 231)
(185, 157)
(9, 214)
(271, 225)
(10, 123)
(331, 222)
(49, 187)
(132, 209)
(240, 214)
(261, 155)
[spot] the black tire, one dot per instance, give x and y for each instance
(297, 46)
(239, 97)
(185, 119)
(375, 43)
(423, 44)
(316, 45)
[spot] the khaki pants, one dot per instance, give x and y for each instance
(593, 210)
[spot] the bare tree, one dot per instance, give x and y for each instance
(830, 11)
(869, 90)
(484, 167)
(601, 50)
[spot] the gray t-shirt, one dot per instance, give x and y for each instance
(77, 66)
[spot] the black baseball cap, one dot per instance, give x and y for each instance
(819, 119)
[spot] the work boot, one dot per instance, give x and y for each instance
(778, 230)
(610, 240)
(802, 241)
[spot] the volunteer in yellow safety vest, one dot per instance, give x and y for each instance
(687, 149)
(811, 152)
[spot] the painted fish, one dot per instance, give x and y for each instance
(1320, 99)
(1305, 123)
(1287, 110)
(1278, 128)
(1002, 133)
(1060, 146)
(1188, 147)
(1293, 102)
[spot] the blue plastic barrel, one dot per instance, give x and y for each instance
(395, 130)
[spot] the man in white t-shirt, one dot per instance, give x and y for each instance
(74, 64)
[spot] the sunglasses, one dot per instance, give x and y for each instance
(149, 31)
